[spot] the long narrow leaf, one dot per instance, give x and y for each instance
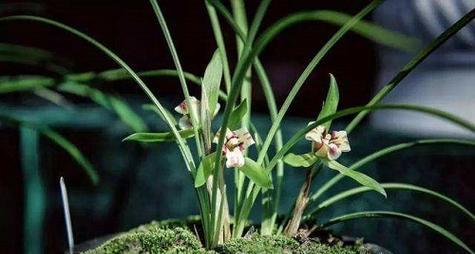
(112, 103)
(154, 137)
(357, 176)
(181, 142)
(384, 152)
(387, 214)
(388, 186)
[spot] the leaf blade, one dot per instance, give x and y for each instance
(256, 173)
(152, 137)
(357, 176)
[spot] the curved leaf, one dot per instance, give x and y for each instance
(331, 102)
(303, 160)
(112, 103)
(256, 173)
(383, 152)
(205, 169)
(387, 214)
(151, 137)
(237, 114)
(388, 186)
(212, 80)
(357, 176)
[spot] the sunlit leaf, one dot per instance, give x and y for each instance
(256, 173)
(331, 102)
(237, 114)
(205, 169)
(357, 176)
(212, 80)
(302, 160)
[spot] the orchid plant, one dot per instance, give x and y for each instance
(225, 150)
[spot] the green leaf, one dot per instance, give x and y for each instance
(24, 83)
(391, 186)
(212, 80)
(237, 114)
(150, 137)
(73, 151)
(154, 108)
(110, 102)
(387, 214)
(331, 102)
(357, 176)
(205, 169)
(256, 173)
(303, 160)
(384, 152)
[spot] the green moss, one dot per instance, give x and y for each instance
(173, 237)
(152, 239)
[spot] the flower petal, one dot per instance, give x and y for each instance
(245, 138)
(333, 152)
(316, 134)
(234, 158)
(185, 122)
(341, 140)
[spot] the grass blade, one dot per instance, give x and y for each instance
(387, 214)
(388, 186)
(154, 137)
(112, 103)
(384, 152)
(357, 176)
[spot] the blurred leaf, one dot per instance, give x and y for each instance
(357, 176)
(24, 83)
(149, 137)
(256, 173)
(212, 80)
(303, 160)
(205, 169)
(154, 108)
(113, 103)
(205, 117)
(331, 102)
(58, 139)
(73, 151)
(237, 114)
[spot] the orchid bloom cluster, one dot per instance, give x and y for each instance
(235, 143)
(328, 145)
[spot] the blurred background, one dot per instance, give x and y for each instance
(143, 183)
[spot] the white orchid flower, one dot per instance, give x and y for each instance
(234, 145)
(185, 121)
(328, 145)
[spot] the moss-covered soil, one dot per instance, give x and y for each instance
(176, 237)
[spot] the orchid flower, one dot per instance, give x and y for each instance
(234, 145)
(328, 145)
(183, 109)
